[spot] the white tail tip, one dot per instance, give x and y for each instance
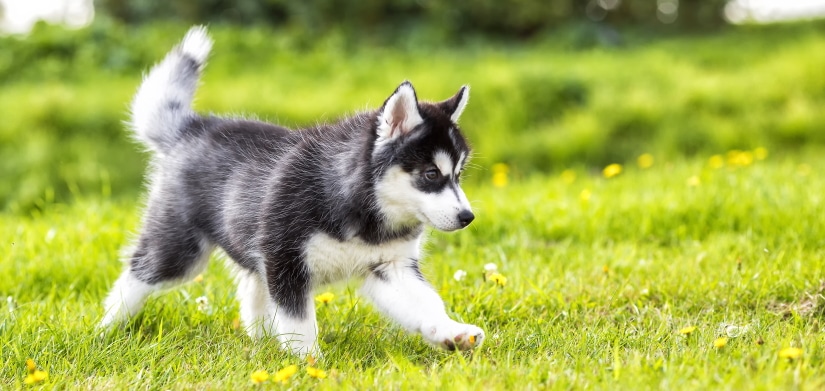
(197, 44)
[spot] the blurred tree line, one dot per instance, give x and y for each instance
(508, 18)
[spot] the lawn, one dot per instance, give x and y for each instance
(653, 211)
(538, 106)
(687, 274)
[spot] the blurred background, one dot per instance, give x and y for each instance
(555, 83)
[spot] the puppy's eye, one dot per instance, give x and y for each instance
(432, 174)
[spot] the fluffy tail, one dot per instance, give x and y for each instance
(163, 102)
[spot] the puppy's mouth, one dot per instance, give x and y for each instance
(449, 228)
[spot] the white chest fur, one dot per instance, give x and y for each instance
(332, 260)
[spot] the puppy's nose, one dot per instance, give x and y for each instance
(465, 217)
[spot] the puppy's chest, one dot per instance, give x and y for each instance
(331, 260)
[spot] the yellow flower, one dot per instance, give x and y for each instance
(740, 158)
(500, 171)
(501, 168)
(694, 181)
(30, 365)
(687, 330)
(198, 278)
(760, 153)
(325, 297)
(500, 179)
(585, 195)
(720, 342)
(716, 162)
(568, 176)
(316, 373)
(260, 376)
(284, 374)
(645, 160)
(612, 170)
(790, 353)
(498, 278)
(36, 377)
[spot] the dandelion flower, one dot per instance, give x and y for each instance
(585, 195)
(259, 377)
(501, 168)
(198, 278)
(284, 374)
(500, 174)
(568, 176)
(687, 330)
(325, 297)
(694, 181)
(316, 373)
(740, 158)
(645, 160)
(459, 275)
(716, 162)
(790, 353)
(36, 377)
(498, 278)
(719, 343)
(612, 170)
(500, 179)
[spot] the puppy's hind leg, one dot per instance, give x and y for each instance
(166, 255)
(256, 306)
(125, 299)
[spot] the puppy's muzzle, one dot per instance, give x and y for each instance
(465, 217)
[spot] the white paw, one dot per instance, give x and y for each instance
(301, 348)
(453, 335)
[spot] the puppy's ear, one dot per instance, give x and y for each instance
(399, 115)
(455, 105)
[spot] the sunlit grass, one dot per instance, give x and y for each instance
(632, 287)
(541, 106)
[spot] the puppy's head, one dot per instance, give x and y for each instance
(421, 153)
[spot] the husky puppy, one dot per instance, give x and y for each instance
(296, 209)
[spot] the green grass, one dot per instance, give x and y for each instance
(538, 106)
(597, 291)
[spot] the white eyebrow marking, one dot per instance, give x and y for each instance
(443, 162)
(460, 163)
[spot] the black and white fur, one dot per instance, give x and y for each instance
(296, 209)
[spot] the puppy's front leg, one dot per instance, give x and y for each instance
(299, 334)
(399, 291)
(291, 320)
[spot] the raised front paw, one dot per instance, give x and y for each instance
(453, 335)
